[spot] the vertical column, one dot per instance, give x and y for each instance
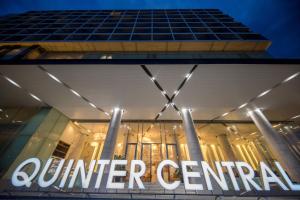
(226, 148)
(112, 133)
(277, 145)
(193, 144)
(110, 142)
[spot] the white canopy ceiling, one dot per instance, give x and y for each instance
(212, 90)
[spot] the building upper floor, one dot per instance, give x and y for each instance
(132, 31)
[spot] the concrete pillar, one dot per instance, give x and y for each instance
(110, 142)
(277, 145)
(193, 145)
(226, 147)
(111, 136)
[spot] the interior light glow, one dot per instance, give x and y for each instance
(12, 82)
(291, 77)
(243, 105)
(53, 77)
(1, 110)
(74, 92)
(297, 116)
(163, 92)
(93, 105)
(76, 123)
(264, 93)
(35, 97)
(253, 133)
(274, 126)
(152, 78)
(106, 113)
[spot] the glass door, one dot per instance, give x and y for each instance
(130, 155)
(172, 154)
(151, 155)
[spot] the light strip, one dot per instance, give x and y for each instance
(35, 97)
(12, 82)
(72, 90)
(17, 85)
(261, 95)
(243, 105)
(295, 117)
(264, 93)
(54, 77)
(176, 92)
(291, 77)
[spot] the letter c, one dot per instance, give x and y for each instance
(168, 186)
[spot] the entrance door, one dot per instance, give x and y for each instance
(130, 155)
(151, 155)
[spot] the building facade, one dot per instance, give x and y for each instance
(82, 87)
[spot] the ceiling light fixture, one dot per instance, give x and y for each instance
(291, 77)
(243, 105)
(12, 82)
(263, 93)
(225, 114)
(297, 116)
(176, 92)
(93, 105)
(74, 92)
(188, 76)
(35, 97)
(53, 77)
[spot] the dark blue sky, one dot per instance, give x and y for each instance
(278, 20)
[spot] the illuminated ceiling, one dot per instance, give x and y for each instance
(211, 91)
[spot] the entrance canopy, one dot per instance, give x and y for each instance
(212, 91)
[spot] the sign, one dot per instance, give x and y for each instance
(192, 172)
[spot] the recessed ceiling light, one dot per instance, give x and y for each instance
(74, 92)
(291, 77)
(53, 77)
(225, 114)
(35, 97)
(93, 105)
(243, 105)
(188, 76)
(264, 93)
(297, 116)
(12, 82)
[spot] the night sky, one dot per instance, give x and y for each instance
(278, 20)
